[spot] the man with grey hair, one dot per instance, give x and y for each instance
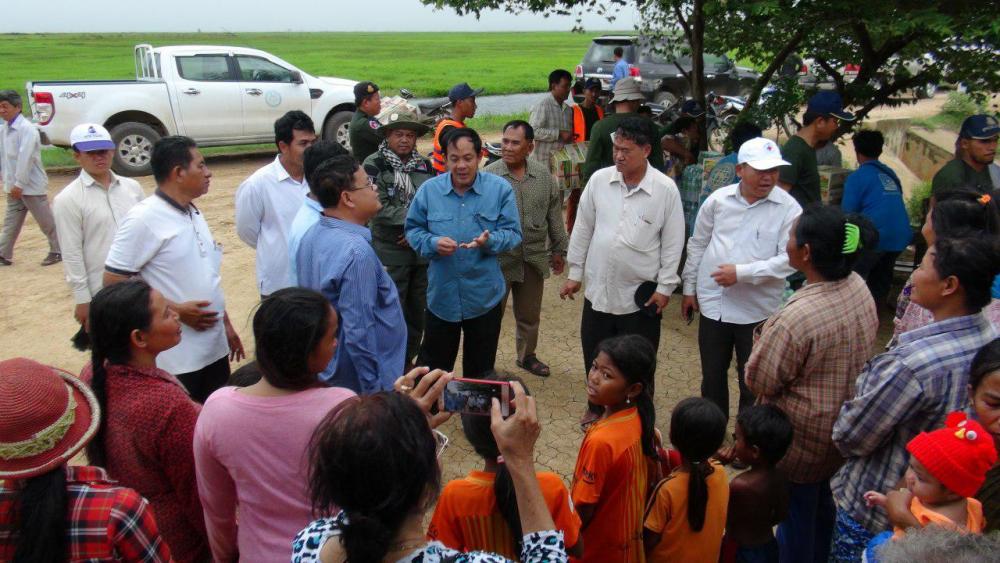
(24, 180)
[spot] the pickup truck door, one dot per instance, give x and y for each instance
(268, 91)
(209, 103)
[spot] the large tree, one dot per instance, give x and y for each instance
(899, 45)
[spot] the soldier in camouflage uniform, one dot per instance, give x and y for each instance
(398, 170)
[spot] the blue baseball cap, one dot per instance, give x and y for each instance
(829, 103)
(462, 91)
(592, 83)
(980, 126)
(692, 108)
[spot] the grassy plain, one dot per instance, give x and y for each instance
(426, 63)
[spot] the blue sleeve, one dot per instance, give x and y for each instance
(417, 234)
(356, 310)
(508, 232)
(853, 196)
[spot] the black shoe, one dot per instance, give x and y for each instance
(5, 262)
(52, 258)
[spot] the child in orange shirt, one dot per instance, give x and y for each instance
(758, 498)
(947, 467)
(479, 512)
(611, 476)
(687, 513)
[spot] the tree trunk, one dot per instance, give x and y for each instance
(697, 42)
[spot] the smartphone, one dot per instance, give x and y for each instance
(474, 396)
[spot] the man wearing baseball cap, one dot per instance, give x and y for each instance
(823, 115)
(736, 266)
(973, 165)
(627, 99)
(364, 131)
(88, 212)
(463, 106)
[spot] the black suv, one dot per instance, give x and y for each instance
(662, 82)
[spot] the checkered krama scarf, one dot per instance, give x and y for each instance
(401, 170)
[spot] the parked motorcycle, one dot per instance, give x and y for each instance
(430, 112)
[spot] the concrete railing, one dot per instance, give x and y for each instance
(916, 150)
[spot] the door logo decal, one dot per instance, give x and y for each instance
(272, 98)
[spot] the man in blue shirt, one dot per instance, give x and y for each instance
(874, 191)
(461, 221)
(621, 67)
(310, 210)
(336, 258)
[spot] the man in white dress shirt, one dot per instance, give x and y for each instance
(88, 212)
(629, 231)
(736, 266)
(267, 201)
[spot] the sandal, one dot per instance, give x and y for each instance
(534, 365)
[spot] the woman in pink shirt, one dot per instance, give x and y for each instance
(250, 443)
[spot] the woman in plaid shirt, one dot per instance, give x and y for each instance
(49, 510)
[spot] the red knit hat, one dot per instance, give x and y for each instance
(46, 417)
(958, 455)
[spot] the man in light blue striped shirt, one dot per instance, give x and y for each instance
(336, 258)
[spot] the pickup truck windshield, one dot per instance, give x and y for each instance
(605, 52)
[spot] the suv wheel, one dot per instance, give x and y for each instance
(665, 98)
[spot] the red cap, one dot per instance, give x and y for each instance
(46, 416)
(958, 455)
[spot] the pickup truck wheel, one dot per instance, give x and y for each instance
(336, 128)
(926, 91)
(133, 148)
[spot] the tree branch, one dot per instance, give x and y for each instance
(779, 59)
(838, 78)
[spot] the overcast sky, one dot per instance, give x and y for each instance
(21, 16)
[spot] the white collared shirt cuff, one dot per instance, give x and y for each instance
(575, 274)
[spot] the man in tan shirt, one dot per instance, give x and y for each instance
(544, 238)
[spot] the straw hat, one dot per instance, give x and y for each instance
(46, 416)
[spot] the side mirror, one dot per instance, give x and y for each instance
(296, 77)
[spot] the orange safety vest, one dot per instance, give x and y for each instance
(437, 160)
(580, 124)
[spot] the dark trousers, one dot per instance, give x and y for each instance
(716, 342)
(877, 269)
(806, 533)
(202, 383)
(596, 326)
(479, 347)
(411, 282)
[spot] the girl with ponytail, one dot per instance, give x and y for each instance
(612, 474)
(479, 512)
(686, 516)
(147, 423)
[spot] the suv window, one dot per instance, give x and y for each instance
(256, 69)
(204, 68)
(605, 52)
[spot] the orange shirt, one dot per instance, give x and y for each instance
(612, 474)
(974, 521)
(437, 158)
(466, 517)
(667, 516)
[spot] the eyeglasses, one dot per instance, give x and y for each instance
(442, 443)
(371, 185)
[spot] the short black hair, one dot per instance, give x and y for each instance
(743, 132)
(11, 97)
(963, 212)
(644, 110)
(294, 120)
(619, 52)
(452, 135)
(333, 177)
(558, 75)
(169, 153)
(809, 116)
(287, 327)
(975, 261)
(638, 130)
(317, 153)
(768, 428)
(529, 131)
(868, 142)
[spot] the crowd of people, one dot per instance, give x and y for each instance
(373, 266)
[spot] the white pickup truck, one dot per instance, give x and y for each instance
(215, 95)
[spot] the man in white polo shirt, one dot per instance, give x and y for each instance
(88, 212)
(165, 240)
(736, 266)
(626, 244)
(267, 201)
